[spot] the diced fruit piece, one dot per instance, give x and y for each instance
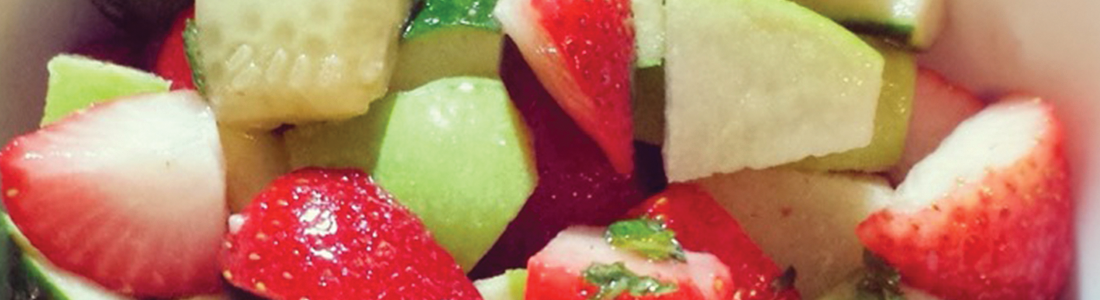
(697, 219)
(938, 107)
(988, 215)
(805, 220)
(76, 82)
(649, 32)
(455, 151)
(583, 52)
(112, 192)
(576, 183)
(649, 105)
(288, 61)
(333, 234)
(172, 59)
(56, 284)
(140, 17)
(891, 117)
(508, 286)
(777, 84)
(449, 38)
(855, 288)
(574, 264)
(252, 160)
(915, 23)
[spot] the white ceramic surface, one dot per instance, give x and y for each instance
(1046, 47)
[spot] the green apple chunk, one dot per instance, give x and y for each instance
(455, 151)
(449, 38)
(778, 83)
(508, 286)
(252, 160)
(649, 32)
(803, 219)
(895, 105)
(269, 62)
(915, 23)
(77, 82)
(649, 105)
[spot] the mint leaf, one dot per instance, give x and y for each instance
(615, 279)
(647, 237)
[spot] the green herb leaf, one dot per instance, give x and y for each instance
(443, 13)
(615, 279)
(881, 281)
(191, 47)
(647, 237)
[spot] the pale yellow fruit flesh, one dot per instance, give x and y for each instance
(451, 52)
(776, 84)
(252, 160)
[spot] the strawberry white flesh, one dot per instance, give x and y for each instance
(988, 214)
(938, 107)
(577, 248)
(130, 194)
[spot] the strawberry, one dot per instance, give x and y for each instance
(172, 61)
(938, 107)
(988, 215)
(576, 183)
(333, 234)
(579, 264)
(130, 194)
(583, 52)
(697, 218)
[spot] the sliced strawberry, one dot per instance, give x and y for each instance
(172, 61)
(130, 194)
(988, 215)
(583, 52)
(559, 271)
(938, 107)
(577, 185)
(697, 219)
(334, 235)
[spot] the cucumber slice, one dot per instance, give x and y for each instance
(895, 103)
(913, 22)
(449, 38)
(5, 261)
(649, 32)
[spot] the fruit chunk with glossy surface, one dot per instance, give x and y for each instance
(331, 234)
(455, 151)
(915, 23)
(938, 107)
(778, 84)
(110, 192)
(77, 82)
(583, 52)
(988, 215)
(697, 219)
(895, 106)
(291, 61)
(449, 38)
(576, 182)
(563, 270)
(802, 219)
(508, 286)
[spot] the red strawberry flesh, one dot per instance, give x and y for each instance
(988, 214)
(697, 219)
(172, 61)
(583, 52)
(333, 234)
(129, 194)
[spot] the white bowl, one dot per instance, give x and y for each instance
(1045, 47)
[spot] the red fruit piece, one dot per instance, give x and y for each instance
(172, 61)
(558, 271)
(697, 219)
(130, 194)
(988, 215)
(333, 234)
(577, 185)
(583, 52)
(938, 107)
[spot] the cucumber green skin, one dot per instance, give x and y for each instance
(5, 261)
(445, 13)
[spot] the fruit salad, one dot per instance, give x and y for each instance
(529, 150)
